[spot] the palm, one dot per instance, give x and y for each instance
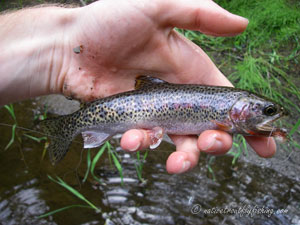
(116, 51)
(117, 45)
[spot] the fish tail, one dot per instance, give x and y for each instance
(60, 137)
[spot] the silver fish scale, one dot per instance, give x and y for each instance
(161, 105)
(177, 109)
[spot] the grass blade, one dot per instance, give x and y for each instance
(36, 138)
(245, 145)
(296, 145)
(295, 128)
(45, 150)
(62, 209)
(140, 164)
(95, 160)
(118, 166)
(13, 131)
(73, 191)
(145, 155)
(11, 111)
(210, 170)
(88, 165)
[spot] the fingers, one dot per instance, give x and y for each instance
(187, 147)
(205, 16)
(264, 147)
(190, 64)
(186, 155)
(134, 140)
(214, 142)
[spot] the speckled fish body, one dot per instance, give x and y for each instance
(176, 109)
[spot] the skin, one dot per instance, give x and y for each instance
(119, 40)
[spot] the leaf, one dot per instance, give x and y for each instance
(88, 165)
(62, 209)
(73, 191)
(13, 130)
(295, 128)
(96, 159)
(117, 165)
(145, 155)
(45, 150)
(35, 138)
(138, 172)
(244, 145)
(11, 111)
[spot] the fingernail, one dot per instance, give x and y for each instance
(135, 141)
(243, 18)
(185, 166)
(134, 148)
(214, 144)
(210, 143)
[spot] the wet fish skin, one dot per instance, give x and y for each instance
(176, 108)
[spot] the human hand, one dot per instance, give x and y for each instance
(122, 39)
(119, 40)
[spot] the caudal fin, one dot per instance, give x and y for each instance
(60, 138)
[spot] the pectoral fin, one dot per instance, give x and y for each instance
(222, 126)
(146, 81)
(93, 139)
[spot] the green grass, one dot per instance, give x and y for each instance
(95, 160)
(10, 109)
(239, 147)
(91, 166)
(260, 59)
(91, 163)
(209, 168)
(261, 55)
(139, 165)
(272, 25)
(76, 193)
(24, 132)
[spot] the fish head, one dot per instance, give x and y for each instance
(253, 115)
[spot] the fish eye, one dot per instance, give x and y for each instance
(270, 110)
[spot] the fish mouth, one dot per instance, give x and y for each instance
(268, 129)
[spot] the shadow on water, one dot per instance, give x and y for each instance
(243, 194)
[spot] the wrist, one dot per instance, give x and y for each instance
(34, 45)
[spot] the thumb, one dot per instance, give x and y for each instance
(202, 15)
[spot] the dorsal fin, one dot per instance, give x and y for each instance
(144, 81)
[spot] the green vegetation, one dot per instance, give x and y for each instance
(10, 109)
(112, 154)
(241, 147)
(74, 192)
(139, 165)
(262, 58)
(259, 58)
(209, 168)
(91, 165)
(23, 132)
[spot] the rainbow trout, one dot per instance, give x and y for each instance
(165, 108)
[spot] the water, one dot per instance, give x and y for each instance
(243, 194)
(254, 191)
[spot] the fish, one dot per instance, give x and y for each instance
(165, 108)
